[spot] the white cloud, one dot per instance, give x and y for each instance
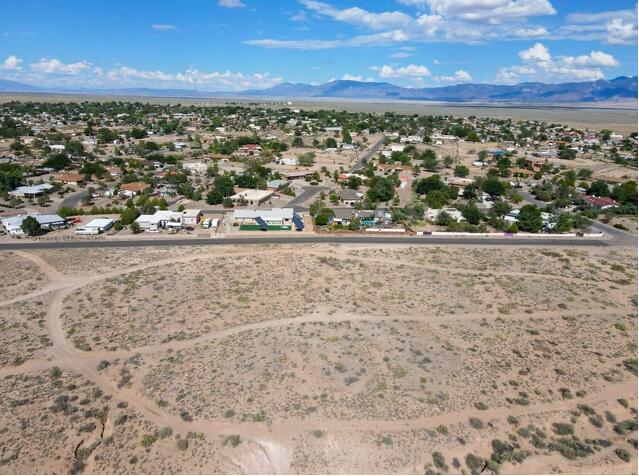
(614, 27)
(536, 53)
(11, 63)
(299, 16)
(532, 32)
(164, 27)
(231, 4)
(467, 21)
(595, 58)
(55, 66)
(460, 76)
(384, 38)
(401, 55)
(412, 71)
(493, 11)
(360, 17)
(356, 77)
(540, 65)
(225, 80)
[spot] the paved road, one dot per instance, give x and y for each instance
(370, 153)
(72, 200)
(617, 236)
(305, 240)
(309, 192)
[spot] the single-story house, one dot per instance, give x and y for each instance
(601, 202)
(69, 178)
(249, 149)
(134, 188)
(31, 191)
(343, 215)
(195, 167)
(288, 161)
(13, 225)
(275, 184)
(251, 196)
(95, 227)
(160, 219)
(191, 217)
(432, 214)
(350, 197)
(274, 216)
(296, 174)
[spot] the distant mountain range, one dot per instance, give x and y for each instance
(620, 89)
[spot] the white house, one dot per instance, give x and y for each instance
(432, 214)
(251, 196)
(13, 225)
(95, 227)
(274, 216)
(31, 191)
(191, 217)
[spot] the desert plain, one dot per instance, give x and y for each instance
(319, 359)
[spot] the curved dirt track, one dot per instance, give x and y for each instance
(66, 356)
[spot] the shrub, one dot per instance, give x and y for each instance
(232, 440)
(165, 432)
(623, 454)
(439, 461)
(474, 463)
(571, 448)
(481, 406)
(147, 440)
(563, 428)
(626, 426)
(182, 444)
(476, 423)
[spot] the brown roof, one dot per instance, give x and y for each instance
(601, 201)
(134, 186)
(68, 177)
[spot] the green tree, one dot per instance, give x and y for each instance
(381, 189)
(30, 226)
(346, 137)
(599, 188)
(429, 160)
(626, 193)
(493, 186)
(129, 215)
(461, 171)
(472, 214)
(330, 143)
(530, 219)
(57, 162)
(437, 198)
(428, 184)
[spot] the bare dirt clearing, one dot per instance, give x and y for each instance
(320, 359)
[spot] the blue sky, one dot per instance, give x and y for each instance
(238, 44)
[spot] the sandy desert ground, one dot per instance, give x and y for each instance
(319, 359)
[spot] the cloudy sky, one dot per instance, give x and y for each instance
(238, 44)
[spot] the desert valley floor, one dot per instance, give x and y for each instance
(329, 359)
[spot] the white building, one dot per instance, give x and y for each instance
(251, 196)
(433, 213)
(195, 167)
(31, 191)
(95, 227)
(191, 217)
(13, 225)
(274, 216)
